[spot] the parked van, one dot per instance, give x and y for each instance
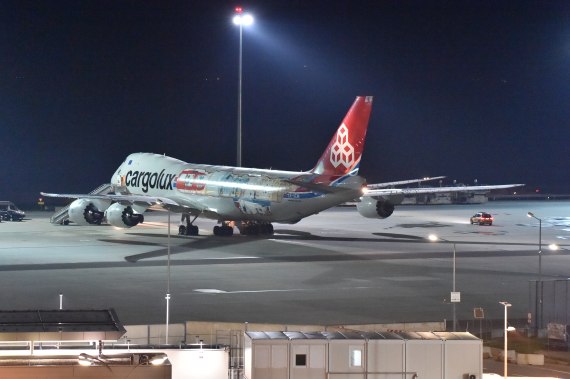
(10, 212)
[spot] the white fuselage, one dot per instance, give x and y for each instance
(229, 193)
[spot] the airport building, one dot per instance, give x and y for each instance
(68, 344)
(354, 355)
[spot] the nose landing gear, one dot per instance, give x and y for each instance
(189, 229)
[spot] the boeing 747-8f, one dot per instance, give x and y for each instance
(249, 199)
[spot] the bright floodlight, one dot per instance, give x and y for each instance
(553, 246)
(243, 19)
(84, 360)
(433, 237)
(158, 359)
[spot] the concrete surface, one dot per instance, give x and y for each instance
(331, 268)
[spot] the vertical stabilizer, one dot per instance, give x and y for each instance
(342, 156)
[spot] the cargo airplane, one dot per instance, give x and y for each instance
(246, 198)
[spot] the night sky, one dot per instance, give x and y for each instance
(468, 89)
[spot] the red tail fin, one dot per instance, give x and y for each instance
(342, 156)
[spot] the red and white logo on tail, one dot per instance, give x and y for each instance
(342, 156)
(342, 152)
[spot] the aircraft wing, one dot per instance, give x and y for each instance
(402, 182)
(150, 200)
(155, 202)
(422, 190)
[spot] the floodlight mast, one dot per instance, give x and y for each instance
(240, 19)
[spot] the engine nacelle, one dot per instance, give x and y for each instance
(86, 211)
(372, 208)
(124, 216)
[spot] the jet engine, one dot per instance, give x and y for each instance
(377, 208)
(124, 216)
(88, 211)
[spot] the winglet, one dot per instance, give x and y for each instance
(342, 155)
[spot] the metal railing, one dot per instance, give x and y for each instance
(61, 216)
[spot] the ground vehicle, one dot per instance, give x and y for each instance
(481, 218)
(10, 212)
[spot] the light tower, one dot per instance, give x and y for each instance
(240, 19)
(506, 330)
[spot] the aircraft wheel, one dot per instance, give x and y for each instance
(224, 231)
(192, 230)
(266, 229)
(181, 230)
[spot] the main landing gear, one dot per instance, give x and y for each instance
(189, 229)
(255, 228)
(224, 230)
(247, 228)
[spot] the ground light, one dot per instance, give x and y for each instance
(555, 247)
(84, 360)
(158, 359)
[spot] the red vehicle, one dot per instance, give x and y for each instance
(482, 218)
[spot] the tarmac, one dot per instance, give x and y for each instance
(332, 268)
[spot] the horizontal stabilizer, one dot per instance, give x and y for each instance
(403, 182)
(422, 190)
(316, 187)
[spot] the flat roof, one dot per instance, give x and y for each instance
(355, 335)
(43, 325)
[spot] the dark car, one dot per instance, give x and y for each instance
(482, 218)
(10, 212)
